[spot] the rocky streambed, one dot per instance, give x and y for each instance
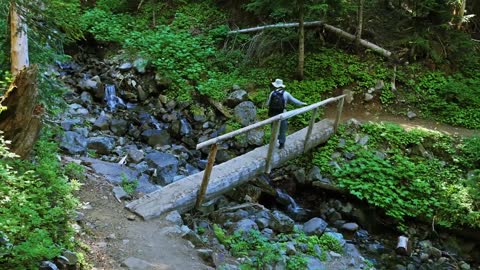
(122, 125)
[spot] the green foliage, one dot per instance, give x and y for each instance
(128, 185)
(219, 84)
(36, 207)
(258, 251)
(74, 171)
(404, 181)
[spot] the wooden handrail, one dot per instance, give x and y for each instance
(270, 120)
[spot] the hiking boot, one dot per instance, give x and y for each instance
(281, 145)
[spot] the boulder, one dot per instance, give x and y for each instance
(156, 137)
(246, 113)
(73, 143)
(102, 145)
(166, 166)
(315, 226)
(236, 97)
(119, 126)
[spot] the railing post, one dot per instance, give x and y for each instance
(309, 131)
(271, 146)
(339, 113)
(206, 175)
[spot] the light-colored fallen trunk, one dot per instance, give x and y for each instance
(181, 195)
(338, 31)
(402, 245)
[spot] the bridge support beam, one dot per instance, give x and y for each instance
(181, 195)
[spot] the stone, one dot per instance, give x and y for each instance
(166, 166)
(135, 155)
(300, 175)
(156, 137)
(119, 126)
(435, 252)
(132, 263)
(101, 123)
(175, 218)
(290, 248)
(314, 174)
(236, 97)
(205, 254)
(125, 66)
(86, 98)
(255, 137)
(101, 145)
(281, 222)
(411, 115)
(368, 97)
(337, 236)
(119, 193)
(71, 257)
(315, 226)
(350, 227)
(245, 113)
(140, 65)
(244, 226)
(73, 143)
(379, 85)
(314, 263)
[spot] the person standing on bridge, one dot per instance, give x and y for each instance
(277, 104)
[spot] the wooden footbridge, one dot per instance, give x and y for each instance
(190, 191)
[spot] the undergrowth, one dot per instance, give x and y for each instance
(414, 173)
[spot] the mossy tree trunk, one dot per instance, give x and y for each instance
(301, 40)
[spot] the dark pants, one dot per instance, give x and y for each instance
(282, 133)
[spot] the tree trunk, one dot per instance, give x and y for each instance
(18, 40)
(461, 13)
(328, 27)
(21, 122)
(301, 40)
(358, 35)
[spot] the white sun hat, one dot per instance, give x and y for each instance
(278, 83)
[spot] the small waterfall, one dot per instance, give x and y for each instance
(292, 207)
(111, 98)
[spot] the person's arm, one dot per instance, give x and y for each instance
(290, 99)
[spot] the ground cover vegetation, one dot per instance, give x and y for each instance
(411, 174)
(187, 43)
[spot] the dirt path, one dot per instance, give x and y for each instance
(108, 228)
(374, 113)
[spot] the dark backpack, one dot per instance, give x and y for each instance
(277, 103)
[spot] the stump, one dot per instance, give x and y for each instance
(21, 121)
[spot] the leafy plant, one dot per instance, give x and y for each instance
(128, 185)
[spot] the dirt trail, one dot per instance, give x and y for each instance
(113, 237)
(375, 114)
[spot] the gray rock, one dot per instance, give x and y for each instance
(281, 222)
(255, 137)
(125, 66)
(368, 97)
(300, 175)
(113, 172)
(411, 115)
(380, 85)
(135, 155)
(244, 226)
(314, 263)
(314, 174)
(132, 263)
(166, 166)
(155, 137)
(205, 254)
(182, 128)
(140, 65)
(236, 97)
(315, 226)
(363, 141)
(245, 113)
(48, 265)
(290, 247)
(435, 252)
(119, 127)
(337, 236)
(71, 257)
(102, 145)
(119, 193)
(86, 98)
(73, 143)
(102, 123)
(175, 218)
(68, 124)
(350, 227)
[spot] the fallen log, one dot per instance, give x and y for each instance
(21, 121)
(338, 31)
(402, 245)
(181, 195)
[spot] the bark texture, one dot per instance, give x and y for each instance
(18, 41)
(21, 121)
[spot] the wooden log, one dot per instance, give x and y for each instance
(271, 145)
(338, 31)
(21, 121)
(181, 195)
(206, 175)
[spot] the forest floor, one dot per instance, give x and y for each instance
(115, 234)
